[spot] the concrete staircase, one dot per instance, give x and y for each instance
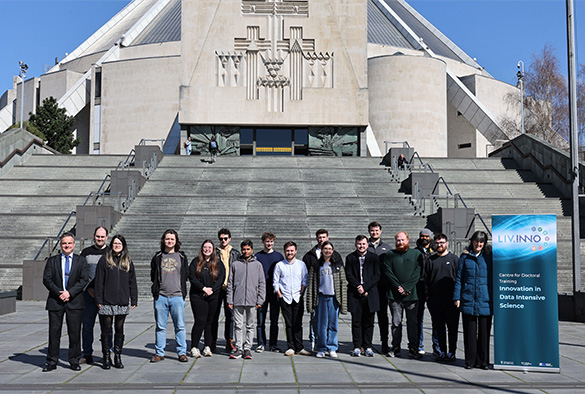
(35, 200)
(292, 197)
(496, 186)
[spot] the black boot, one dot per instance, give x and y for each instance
(106, 345)
(118, 344)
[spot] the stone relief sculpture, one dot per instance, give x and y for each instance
(228, 139)
(271, 63)
(333, 141)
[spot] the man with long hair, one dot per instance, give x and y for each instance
(168, 273)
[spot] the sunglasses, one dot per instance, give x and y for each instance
(224, 238)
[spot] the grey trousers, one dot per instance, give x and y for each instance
(244, 326)
(398, 308)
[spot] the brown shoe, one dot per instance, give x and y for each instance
(183, 358)
(156, 358)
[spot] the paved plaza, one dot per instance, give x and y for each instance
(23, 347)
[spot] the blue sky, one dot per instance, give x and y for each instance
(498, 33)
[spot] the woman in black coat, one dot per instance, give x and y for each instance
(116, 292)
(206, 274)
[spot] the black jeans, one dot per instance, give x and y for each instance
(229, 319)
(445, 318)
(204, 311)
(476, 337)
(293, 323)
(362, 324)
(274, 306)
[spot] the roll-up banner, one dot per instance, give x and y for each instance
(526, 318)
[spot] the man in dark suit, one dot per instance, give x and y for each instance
(65, 276)
(362, 270)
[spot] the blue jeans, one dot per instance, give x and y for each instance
(327, 316)
(176, 307)
(87, 323)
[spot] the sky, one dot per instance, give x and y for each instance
(498, 33)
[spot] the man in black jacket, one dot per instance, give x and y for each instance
(362, 270)
(65, 276)
(311, 259)
(379, 247)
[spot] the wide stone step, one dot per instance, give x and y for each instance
(503, 190)
(53, 173)
(73, 187)
(440, 163)
(272, 162)
(503, 206)
(73, 161)
(483, 176)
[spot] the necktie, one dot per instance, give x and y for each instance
(67, 268)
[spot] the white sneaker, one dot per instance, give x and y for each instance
(356, 352)
(195, 353)
(207, 351)
(320, 355)
(304, 352)
(289, 352)
(369, 352)
(333, 354)
(259, 349)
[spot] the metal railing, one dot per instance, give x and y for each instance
(159, 140)
(418, 200)
(122, 202)
(48, 239)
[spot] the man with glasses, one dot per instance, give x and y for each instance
(227, 254)
(65, 276)
(92, 254)
(440, 274)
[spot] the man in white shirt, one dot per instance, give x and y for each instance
(290, 281)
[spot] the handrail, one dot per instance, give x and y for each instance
(145, 140)
(98, 191)
(405, 144)
(127, 161)
(420, 201)
(58, 235)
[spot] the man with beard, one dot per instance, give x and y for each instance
(440, 275)
(402, 268)
(92, 254)
(423, 244)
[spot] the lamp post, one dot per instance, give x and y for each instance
(22, 74)
(574, 143)
(520, 75)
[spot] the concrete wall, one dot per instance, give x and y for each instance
(408, 102)
(548, 163)
(56, 84)
(139, 100)
(16, 146)
(30, 97)
(328, 40)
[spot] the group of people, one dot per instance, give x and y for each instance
(252, 286)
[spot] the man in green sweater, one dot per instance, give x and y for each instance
(402, 268)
